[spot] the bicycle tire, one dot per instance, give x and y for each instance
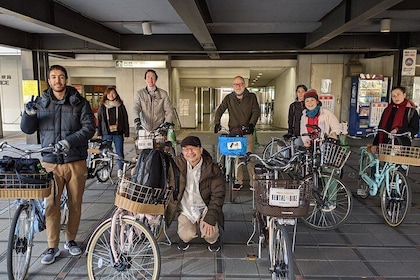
(273, 148)
(143, 257)
(281, 258)
(64, 210)
(394, 206)
(364, 161)
(19, 248)
(329, 206)
(103, 173)
(231, 179)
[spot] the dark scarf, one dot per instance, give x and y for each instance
(393, 117)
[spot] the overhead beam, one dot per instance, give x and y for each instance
(190, 14)
(346, 16)
(56, 17)
(16, 38)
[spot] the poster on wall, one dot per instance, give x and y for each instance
(29, 88)
(184, 107)
(327, 101)
(376, 109)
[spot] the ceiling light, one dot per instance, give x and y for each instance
(147, 28)
(386, 25)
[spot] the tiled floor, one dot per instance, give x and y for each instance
(363, 248)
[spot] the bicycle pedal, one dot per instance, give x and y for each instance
(251, 257)
(361, 192)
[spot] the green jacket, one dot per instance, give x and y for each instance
(243, 111)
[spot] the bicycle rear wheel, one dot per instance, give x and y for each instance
(396, 202)
(281, 258)
(19, 249)
(276, 147)
(364, 162)
(138, 253)
(330, 205)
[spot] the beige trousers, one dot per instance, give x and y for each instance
(188, 231)
(72, 176)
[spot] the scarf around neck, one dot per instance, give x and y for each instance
(314, 112)
(397, 121)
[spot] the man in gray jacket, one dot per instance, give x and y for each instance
(152, 106)
(63, 118)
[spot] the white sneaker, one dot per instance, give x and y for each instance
(119, 173)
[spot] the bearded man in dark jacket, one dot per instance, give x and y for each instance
(201, 196)
(63, 118)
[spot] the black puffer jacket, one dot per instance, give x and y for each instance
(68, 119)
(295, 113)
(212, 189)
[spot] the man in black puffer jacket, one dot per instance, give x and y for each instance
(63, 118)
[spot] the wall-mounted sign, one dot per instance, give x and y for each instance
(409, 63)
(140, 64)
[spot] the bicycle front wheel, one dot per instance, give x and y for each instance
(281, 258)
(330, 204)
(137, 250)
(396, 201)
(19, 249)
(104, 171)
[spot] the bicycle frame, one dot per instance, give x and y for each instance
(380, 175)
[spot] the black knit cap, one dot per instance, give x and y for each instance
(192, 141)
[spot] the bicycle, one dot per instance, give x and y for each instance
(331, 201)
(155, 139)
(230, 152)
(125, 245)
(29, 189)
(280, 147)
(277, 203)
(99, 166)
(388, 177)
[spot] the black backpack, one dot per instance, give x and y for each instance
(153, 169)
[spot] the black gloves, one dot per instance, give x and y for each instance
(137, 124)
(251, 128)
(168, 125)
(63, 145)
(217, 127)
(30, 107)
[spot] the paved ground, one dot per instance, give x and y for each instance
(363, 248)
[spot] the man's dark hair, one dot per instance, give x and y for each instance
(151, 71)
(58, 67)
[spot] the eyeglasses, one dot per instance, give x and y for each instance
(189, 149)
(238, 85)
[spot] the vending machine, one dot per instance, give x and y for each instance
(368, 99)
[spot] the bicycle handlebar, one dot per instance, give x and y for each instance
(28, 152)
(376, 130)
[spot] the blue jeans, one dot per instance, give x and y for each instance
(118, 141)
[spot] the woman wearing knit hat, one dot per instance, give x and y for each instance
(314, 114)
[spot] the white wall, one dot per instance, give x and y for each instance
(283, 97)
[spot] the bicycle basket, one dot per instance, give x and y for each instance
(141, 199)
(399, 154)
(232, 146)
(283, 198)
(12, 186)
(334, 156)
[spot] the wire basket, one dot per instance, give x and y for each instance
(334, 156)
(283, 198)
(11, 186)
(141, 199)
(399, 154)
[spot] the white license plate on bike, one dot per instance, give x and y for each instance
(144, 144)
(284, 197)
